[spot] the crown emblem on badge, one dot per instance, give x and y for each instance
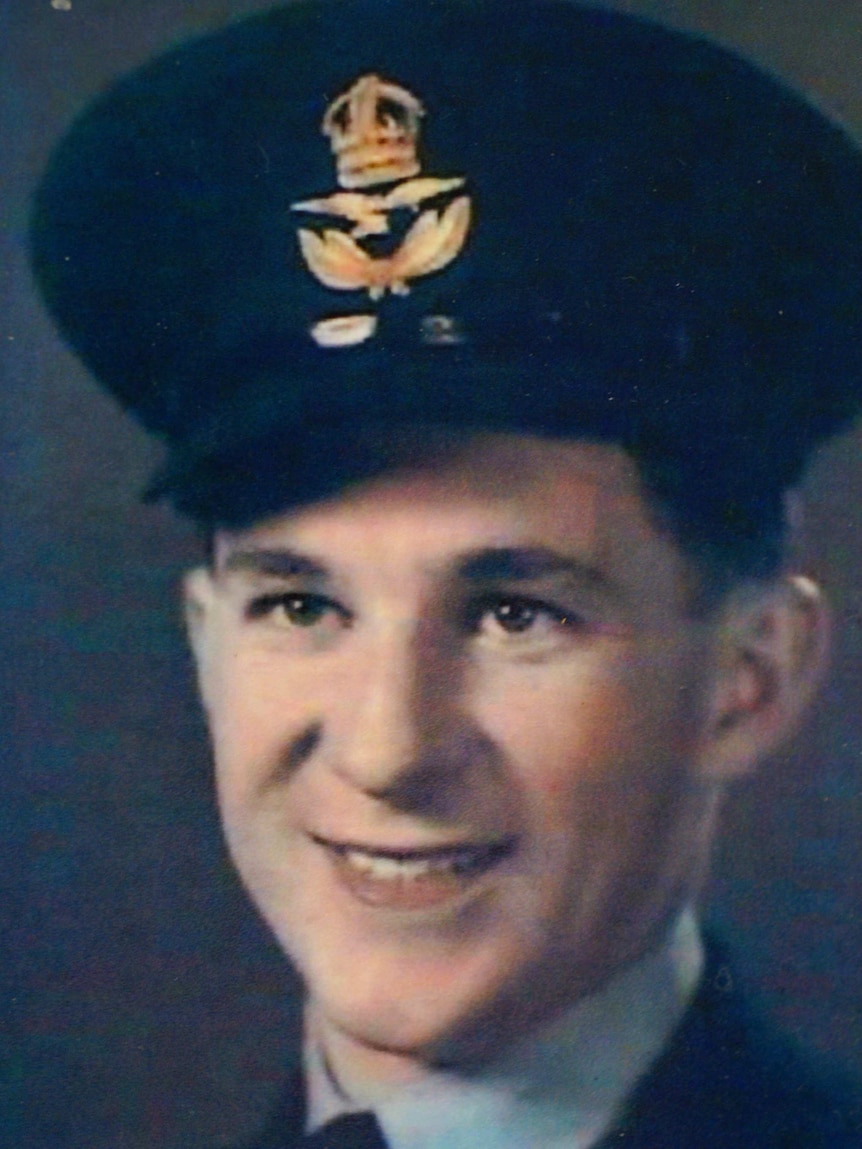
(373, 129)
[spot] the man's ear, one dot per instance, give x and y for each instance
(198, 605)
(772, 649)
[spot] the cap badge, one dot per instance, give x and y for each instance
(373, 129)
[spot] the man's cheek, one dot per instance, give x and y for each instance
(574, 734)
(250, 708)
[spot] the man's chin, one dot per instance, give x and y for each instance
(396, 1032)
(456, 1027)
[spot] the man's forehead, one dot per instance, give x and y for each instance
(490, 469)
(494, 506)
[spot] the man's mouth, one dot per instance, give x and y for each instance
(412, 879)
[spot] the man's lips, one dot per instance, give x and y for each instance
(413, 878)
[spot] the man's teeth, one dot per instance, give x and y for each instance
(386, 868)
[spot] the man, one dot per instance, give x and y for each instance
(487, 341)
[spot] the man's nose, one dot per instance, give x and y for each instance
(405, 727)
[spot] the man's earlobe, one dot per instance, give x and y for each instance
(772, 654)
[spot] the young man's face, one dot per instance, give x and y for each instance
(457, 714)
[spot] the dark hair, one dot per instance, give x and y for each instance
(739, 537)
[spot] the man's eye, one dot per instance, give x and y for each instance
(295, 609)
(513, 616)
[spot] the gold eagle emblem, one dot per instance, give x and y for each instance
(373, 130)
(432, 242)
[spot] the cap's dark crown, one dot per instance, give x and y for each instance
(580, 224)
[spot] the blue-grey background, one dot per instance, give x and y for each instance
(142, 1003)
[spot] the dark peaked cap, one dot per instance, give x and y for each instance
(635, 235)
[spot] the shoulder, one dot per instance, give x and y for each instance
(729, 1080)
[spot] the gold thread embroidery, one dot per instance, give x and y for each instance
(344, 330)
(433, 241)
(369, 213)
(373, 130)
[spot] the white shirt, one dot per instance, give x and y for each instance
(562, 1088)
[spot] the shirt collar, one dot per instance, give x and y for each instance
(562, 1088)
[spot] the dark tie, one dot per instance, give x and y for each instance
(353, 1131)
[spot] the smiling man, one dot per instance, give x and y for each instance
(455, 729)
(488, 341)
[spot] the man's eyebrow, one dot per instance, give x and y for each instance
(491, 564)
(529, 564)
(277, 562)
